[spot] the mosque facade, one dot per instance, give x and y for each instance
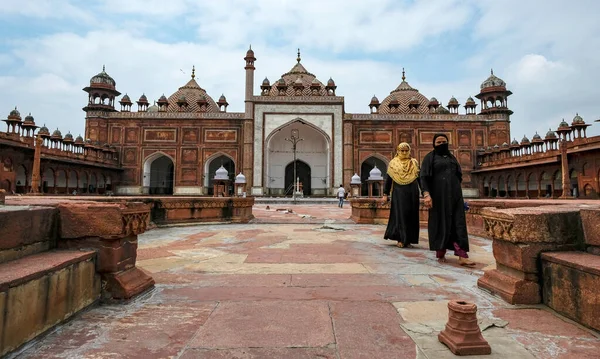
(293, 127)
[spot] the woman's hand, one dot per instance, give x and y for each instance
(427, 201)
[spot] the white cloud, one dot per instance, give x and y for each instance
(546, 54)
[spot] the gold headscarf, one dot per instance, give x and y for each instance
(403, 169)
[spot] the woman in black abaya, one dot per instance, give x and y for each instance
(441, 178)
(402, 185)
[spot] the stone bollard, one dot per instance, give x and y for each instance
(2, 196)
(462, 334)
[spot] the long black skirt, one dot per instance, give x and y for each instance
(403, 224)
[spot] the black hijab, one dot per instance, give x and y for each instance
(427, 165)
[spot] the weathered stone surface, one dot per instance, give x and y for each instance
(81, 220)
(511, 289)
(544, 224)
(571, 282)
(114, 254)
(590, 218)
(127, 284)
(43, 292)
(523, 256)
(235, 325)
(26, 226)
(22, 270)
(462, 334)
(2, 196)
(188, 210)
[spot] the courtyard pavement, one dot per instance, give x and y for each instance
(303, 281)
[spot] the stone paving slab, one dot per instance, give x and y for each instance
(304, 290)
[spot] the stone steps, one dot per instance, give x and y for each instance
(41, 290)
(571, 282)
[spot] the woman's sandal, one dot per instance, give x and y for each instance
(465, 262)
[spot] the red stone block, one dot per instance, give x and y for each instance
(78, 220)
(462, 334)
(590, 218)
(127, 284)
(28, 226)
(571, 285)
(521, 256)
(511, 289)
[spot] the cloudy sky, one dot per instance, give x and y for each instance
(547, 51)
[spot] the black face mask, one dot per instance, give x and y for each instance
(441, 149)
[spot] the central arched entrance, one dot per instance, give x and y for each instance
(303, 175)
(309, 147)
(159, 174)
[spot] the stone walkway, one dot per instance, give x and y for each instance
(305, 283)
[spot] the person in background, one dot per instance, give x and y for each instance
(402, 187)
(441, 178)
(341, 193)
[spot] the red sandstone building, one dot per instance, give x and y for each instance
(176, 145)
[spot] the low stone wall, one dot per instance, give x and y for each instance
(26, 230)
(375, 211)
(590, 218)
(202, 209)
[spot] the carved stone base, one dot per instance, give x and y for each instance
(126, 284)
(462, 334)
(511, 289)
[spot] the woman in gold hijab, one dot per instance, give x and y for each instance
(402, 186)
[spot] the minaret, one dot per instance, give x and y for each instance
(248, 130)
(249, 78)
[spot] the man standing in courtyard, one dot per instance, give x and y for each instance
(341, 193)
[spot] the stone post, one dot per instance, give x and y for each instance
(564, 163)
(111, 229)
(519, 237)
(35, 171)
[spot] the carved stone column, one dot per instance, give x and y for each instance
(564, 164)
(35, 171)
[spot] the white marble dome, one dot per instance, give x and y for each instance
(240, 178)
(221, 174)
(375, 174)
(355, 179)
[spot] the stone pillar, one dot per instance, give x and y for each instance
(348, 153)
(564, 165)
(519, 237)
(248, 152)
(111, 229)
(35, 171)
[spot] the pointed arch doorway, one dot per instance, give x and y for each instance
(159, 174)
(302, 173)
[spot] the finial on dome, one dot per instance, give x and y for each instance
(298, 58)
(250, 48)
(492, 71)
(193, 71)
(403, 75)
(103, 68)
